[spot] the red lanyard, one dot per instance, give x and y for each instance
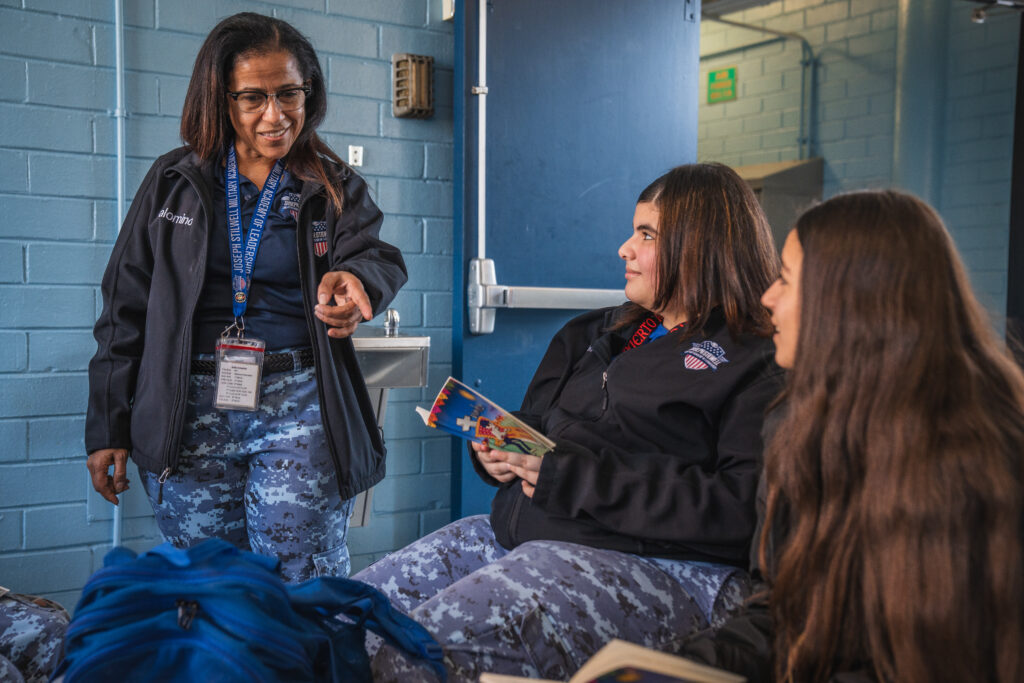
(644, 331)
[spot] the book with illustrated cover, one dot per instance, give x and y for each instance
(470, 415)
(622, 662)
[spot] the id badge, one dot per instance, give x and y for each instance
(239, 368)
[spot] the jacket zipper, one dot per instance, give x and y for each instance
(600, 351)
(163, 477)
(171, 451)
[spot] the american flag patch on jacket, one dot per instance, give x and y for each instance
(319, 238)
(704, 355)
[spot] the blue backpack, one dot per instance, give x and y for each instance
(217, 613)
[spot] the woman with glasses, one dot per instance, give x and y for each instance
(224, 363)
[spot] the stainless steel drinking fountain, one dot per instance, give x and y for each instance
(388, 360)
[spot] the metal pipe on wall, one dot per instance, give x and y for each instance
(918, 123)
(483, 293)
(119, 115)
(481, 141)
(808, 82)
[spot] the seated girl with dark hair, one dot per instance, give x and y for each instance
(894, 519)
(636, 524)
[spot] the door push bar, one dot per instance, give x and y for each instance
(484, 295)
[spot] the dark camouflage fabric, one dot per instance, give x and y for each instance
(263, 481)
(9, 673)
(544, 608)
(31, 637)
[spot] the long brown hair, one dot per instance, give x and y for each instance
(714, 248)
(205, 124)
(896, 475)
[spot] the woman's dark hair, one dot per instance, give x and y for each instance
(896, 476)
(714, 248)
(205, 124)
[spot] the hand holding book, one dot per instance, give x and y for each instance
(495, 463)
(504, 466)
(468, 414)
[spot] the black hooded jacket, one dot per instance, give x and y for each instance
(658, 448)
(138, 379)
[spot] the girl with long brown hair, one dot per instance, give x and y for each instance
(892, 536)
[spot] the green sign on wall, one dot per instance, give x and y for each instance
(722, 85)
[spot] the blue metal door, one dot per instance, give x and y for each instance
(588, 101)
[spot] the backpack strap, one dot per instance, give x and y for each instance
(327, 597)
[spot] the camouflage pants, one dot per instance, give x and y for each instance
(543, 608)
(31, 637)
(263, 481)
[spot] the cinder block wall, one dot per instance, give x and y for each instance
(58, 191)
(855, 42)
(980, 98)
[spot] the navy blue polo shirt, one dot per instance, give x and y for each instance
(659, 331)
(275, 310)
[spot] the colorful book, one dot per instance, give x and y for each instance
(622, 662)
(468, 414)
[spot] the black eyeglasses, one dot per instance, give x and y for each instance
(255, 101)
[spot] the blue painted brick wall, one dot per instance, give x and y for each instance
(981, 91)
(855, 42)
(57, 189)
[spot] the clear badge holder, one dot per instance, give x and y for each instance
(239, 369)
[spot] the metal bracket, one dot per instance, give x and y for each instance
(690, 10)
(481, 278)
(484, 295)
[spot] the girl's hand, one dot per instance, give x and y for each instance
(494, 462)
(526, 467)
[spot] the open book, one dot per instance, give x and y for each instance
(468, 414)
(619, 662)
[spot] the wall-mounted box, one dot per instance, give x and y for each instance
(785, 189)
(412, 77)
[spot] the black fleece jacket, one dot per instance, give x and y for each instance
(138, 379)
(745, 644)
(654, 455)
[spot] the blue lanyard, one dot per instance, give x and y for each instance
(242, 262)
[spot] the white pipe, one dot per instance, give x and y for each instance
(481, 169)
(119, 115)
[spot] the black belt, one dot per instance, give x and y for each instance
(272, 362)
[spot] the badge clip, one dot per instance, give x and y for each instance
(239, 369)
